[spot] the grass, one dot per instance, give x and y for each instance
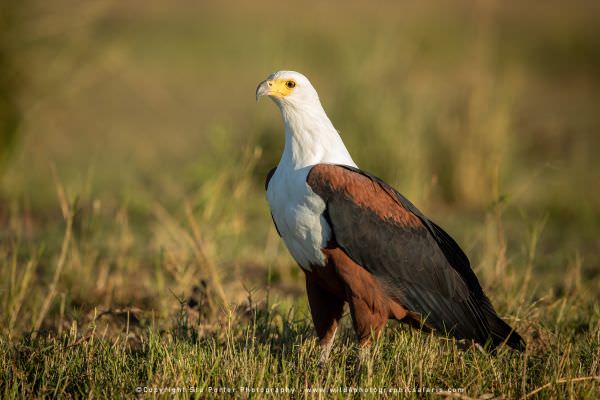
(136, 248)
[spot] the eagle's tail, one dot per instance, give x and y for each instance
(501, 332)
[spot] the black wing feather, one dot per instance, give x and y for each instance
(269, 176)
(267, 180)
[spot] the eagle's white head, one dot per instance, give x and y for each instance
(310, 136)
(289, 89)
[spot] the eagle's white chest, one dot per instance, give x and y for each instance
(298, 214)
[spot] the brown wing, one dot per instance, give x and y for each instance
(417, 263)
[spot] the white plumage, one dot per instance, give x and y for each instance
(310, 139)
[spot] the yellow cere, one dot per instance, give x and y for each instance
(281, 87)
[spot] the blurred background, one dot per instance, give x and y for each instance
(133, 152)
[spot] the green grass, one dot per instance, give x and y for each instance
(136, 247)
(265, 348)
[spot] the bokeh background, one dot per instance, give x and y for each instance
(137, 122)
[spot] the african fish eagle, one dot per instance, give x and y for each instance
(360, 241)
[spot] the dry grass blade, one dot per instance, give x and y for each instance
(561, 382)
(19, 295)
(68, 216)
(202, 258)
(195, 244)
(465, 397)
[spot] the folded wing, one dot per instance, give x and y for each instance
(418, 264)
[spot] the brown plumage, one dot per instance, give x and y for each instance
(340, 281)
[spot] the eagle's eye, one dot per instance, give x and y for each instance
(290, 84)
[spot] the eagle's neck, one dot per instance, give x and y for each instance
(311, 139)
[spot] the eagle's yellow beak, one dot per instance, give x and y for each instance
(275, 88)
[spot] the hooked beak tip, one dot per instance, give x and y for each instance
(262, 89)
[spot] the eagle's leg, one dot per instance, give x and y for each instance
(369, 305)
(369, 317)
(326, 310)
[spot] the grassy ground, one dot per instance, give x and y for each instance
(136, 248)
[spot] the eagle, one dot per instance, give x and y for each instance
(359, 241)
